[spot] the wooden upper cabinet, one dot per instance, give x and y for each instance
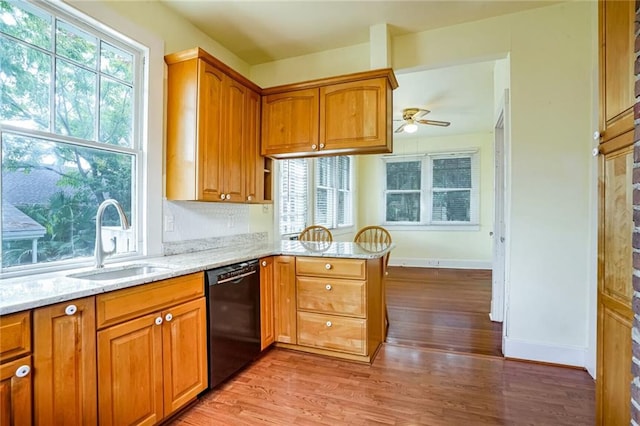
(64, 359)
(350, 114)
(209, 130)
(357, 116)
(255, 178)
(616, 67)
(290, 122)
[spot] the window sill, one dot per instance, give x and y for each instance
(435, 228)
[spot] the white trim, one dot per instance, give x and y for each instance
(440, 263)
(543, 352)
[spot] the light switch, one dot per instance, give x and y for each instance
(168, 223)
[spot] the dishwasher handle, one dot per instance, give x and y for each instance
(237, 277)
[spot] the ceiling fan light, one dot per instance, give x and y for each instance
(411, 128)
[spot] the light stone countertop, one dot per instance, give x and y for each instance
(32, 291)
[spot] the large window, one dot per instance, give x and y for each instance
(69, 130)
(437, 189)
(315, 191)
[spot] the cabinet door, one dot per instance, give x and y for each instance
(615, 289)
(253, 162)
(15, 392)
(284, 280)
(130, 372)
(184, 349)
(210, 128)
(64, 357)
(356, 117)
(616, 66)
(290, 123)
(267, 329)
(230, 162)
(15, 335)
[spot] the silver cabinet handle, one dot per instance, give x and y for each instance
(23, 371)
(328, 287)
(158, 320)
(168, 317)
(71, 309)
(327, 266)
(264, 263)
(329, 324)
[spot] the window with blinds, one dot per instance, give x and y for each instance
(432, 189)
(329, 203)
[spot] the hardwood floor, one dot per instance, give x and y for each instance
(445, 309)
(408, 384)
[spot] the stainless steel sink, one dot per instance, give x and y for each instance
(114, 273)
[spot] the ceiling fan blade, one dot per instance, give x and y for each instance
(399, 129)
(434, 122)
(420, 113)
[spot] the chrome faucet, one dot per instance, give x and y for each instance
(100, 252)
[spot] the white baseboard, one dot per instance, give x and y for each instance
(439, 263)
(555, 354)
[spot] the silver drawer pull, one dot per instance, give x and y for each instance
(329, 324)
(23, 371)
(70, 310)
(328, 287)
(327, 266)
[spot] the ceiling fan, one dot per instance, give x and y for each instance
(413, 116)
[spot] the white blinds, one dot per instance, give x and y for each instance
(293, 195)
(333, 206)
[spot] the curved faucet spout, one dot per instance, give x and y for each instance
(100, 252)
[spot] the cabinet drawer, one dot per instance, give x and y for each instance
(115, 307)
(15, 335)
(333, 296)
(332, 332)
(331, 267)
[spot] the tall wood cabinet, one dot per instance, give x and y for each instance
(64, 359)
(615, 269)
(151, 342)
(16, 376)
(350, 114)
(267, 327)
(212, 136)
(284, 288)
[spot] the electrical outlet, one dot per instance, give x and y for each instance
(168, 223)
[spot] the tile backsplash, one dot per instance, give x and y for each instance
(197, 220)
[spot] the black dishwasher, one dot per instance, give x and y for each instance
(233, 305)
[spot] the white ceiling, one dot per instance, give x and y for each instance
(264, 31)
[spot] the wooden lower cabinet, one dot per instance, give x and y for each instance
(159, 358)
(64, 359)
(15, 392)
(284, 288)
(267, 328)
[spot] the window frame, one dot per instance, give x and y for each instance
(311, 197)
(426, 221)
(140, 129)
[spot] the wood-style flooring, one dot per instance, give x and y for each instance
(445, 309)
(409, 383)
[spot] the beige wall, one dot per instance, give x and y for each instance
(417, 247)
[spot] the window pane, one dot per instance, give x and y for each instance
(324, 171)
(26, 23)
(116, 62)
(403, 175)
(75, 101)
(77, 45)
(452, 173)
(344, 208)
(452, 206)
(325, 208)
(50, 195)
(24, 86)
(116, 113)
(404, 207)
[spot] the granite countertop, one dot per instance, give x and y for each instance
(32, 291)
